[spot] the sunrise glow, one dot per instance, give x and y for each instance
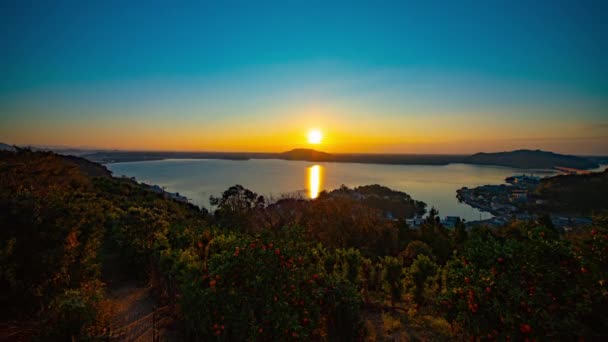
(315, 136)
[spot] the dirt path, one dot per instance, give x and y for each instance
(132, 306)
(132, 303)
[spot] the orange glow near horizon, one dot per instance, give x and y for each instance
(340, 133)
(314, 180)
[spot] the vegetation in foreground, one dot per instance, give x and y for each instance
(329, 269)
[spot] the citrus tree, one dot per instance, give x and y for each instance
(525, 287)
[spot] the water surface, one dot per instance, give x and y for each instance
(198, 179)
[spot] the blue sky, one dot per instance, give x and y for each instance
(372, 75)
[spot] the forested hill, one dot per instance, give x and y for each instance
(575, 194)
(59, 217)
(528, 159)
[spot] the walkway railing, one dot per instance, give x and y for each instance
(135, 329)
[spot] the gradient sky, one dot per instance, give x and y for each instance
(402, 77)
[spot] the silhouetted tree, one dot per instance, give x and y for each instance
(236, 207)
(460, 233)
(435, 235)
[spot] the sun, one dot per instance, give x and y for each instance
(315, 136)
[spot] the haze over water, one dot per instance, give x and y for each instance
(199, 179)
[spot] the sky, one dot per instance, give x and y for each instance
(374, 77)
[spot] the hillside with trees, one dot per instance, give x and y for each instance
(531, 159)
(573, 194)
(392, 203)
(331, 269)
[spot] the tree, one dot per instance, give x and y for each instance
(236, 206)
(433, 218)
(413, 250)
(404, 233)
(392, 276)
(460, 233)
(527, 285)
(435, 235)
(352, 261)
(237, 198)
(421, 270)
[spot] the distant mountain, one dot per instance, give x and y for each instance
(529, 159)
(306, 154)
(523, 159)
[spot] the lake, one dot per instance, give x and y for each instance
(200, 178)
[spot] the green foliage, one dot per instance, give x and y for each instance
(72, 312)
(421, 270)
(413, 250)
(52, 227)
(56, 214)
(404, 234)
(329, 262)
(345, 223)
(393, 270)
(343, 311)
(351, 260)
(397, 204)
(460, 233)
(435, 235)
(576, 194)
(266, 289)
(377, 277)
(236, 207)
(525, 286)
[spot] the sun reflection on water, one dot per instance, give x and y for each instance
(314, 180)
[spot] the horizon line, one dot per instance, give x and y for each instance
(54, 148)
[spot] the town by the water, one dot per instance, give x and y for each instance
(513, 200)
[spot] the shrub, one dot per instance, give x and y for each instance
(392, 276)
(352, 261)
(259, 288)
(421, 270)
(342, 311)
(414, 249)
(521, 287)
(73, 313)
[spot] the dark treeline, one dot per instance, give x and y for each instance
(573, 194)
(334, 268)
